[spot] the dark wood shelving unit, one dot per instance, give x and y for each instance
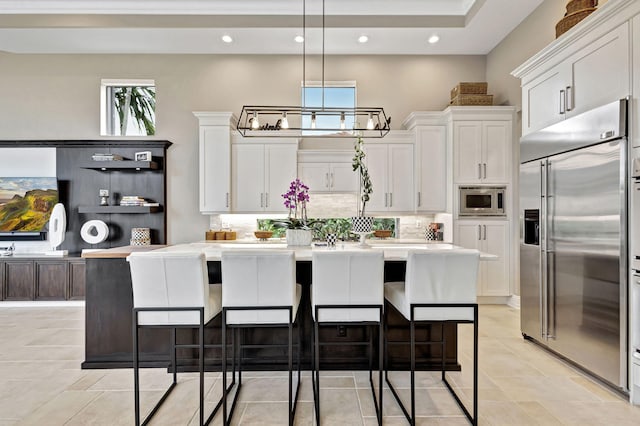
(119, 165)
(118, 209)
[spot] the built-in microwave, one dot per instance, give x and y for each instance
(482, 201)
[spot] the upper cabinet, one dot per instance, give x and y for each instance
(215, 161)
(431, 169)
(390, 166)
(327, 171)
(482, 151)
(261, 172)
(586, 68)
(432, 161)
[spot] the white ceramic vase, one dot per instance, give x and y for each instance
(299, 237)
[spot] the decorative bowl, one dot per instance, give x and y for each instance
(382, 233)
(263, 235)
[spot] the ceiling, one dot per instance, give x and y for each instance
(465, 27)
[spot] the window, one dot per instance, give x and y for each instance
(127, 108)
(337, 94)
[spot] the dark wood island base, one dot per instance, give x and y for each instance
(108, 330)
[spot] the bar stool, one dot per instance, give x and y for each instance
(172, 290)
(260, 290)
(348, 288)
(440, 287)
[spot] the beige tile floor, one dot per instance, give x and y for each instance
(41, 383)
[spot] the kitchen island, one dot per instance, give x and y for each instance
(109, 303)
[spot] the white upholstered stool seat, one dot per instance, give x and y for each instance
(440, 286)
(260, 290)
(172, 290)
(347, 288)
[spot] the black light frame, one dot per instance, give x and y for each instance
(270, 119)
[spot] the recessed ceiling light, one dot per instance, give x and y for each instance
(434, 39)
(299, 39)
(363, 39)
(227, 38)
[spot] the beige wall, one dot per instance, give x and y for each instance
(57, 97)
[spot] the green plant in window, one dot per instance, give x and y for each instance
(138, 102)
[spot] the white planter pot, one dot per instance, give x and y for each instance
(361, 224)
(299, 237)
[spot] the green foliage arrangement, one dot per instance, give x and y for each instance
(366, 187)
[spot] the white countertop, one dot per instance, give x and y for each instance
(393, 249)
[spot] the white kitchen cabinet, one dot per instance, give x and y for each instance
(482, 151)
(261, 173)
(391, 170)
(492, 237)
(431, 168)
(326, 171)
(214, 151)
(634, 117)
(594, 75)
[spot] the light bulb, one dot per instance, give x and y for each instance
(299, 39)
(227, 38)
(370, 122)
(255, 124)
(313, 120)
(434, 39)
(342, 123)
(363, 39)
(284, 124)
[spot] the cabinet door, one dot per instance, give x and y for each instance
(600, 72)
(377, 164)
(342, 178)
(468, 235)
(280, 170)
(634, 118)
(467, 147)
(77, 280)
(215, 173)
(52, 280)
(315, 176)
(495, 273)
(19, 280)
(431, 169)
(543, 99)
(248, 178)
(400, 178)
(496, 151)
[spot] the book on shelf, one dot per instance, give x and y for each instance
(106, 157)
(134, 200)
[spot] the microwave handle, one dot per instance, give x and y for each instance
(500, 201)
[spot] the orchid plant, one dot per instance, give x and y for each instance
(296, 200)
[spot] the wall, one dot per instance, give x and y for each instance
(57, 97)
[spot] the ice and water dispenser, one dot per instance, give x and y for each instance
(532, 227)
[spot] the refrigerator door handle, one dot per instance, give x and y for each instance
(551, 296)
(543, 255)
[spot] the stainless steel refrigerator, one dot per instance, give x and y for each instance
(573, 240)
